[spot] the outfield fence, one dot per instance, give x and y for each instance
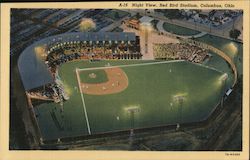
(218, 52)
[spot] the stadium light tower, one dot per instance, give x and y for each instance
(234, 50)
(132, 110)
(223, 80)
(41, 52)
(179, 99)
(145, 29)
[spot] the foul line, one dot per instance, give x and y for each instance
(129, 65)
(209, 67)
(83, 102)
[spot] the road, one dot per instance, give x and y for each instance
(115, 24)
(222, 31)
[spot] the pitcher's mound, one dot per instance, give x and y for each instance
(92, 75)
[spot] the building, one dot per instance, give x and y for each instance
(205, 13)
(133, 23)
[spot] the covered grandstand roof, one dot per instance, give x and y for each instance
(34, 72)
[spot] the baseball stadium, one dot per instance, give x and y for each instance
(90, 83)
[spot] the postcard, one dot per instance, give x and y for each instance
(125, 80)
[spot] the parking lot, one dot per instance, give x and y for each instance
(30, 25)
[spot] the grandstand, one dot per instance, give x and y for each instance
(38, 64)
(186, 51)
(110, 45)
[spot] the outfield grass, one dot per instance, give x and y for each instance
(151, 88)
(101, 76)
(74, 118)
(179, 30)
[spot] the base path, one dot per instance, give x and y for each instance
(117, 82)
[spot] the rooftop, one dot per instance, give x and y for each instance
(34, 72)
(146, 19)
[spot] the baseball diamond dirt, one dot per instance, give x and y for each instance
(117, 82)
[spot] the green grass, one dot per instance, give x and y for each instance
(154, 93)
(73, 111)
(217, 62)
(151, 88)
(101, 76)
(179, 30)
(116, 14)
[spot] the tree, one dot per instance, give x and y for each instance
(234, 33)
(173, 14)
(137, 15)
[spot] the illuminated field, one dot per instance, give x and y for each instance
(157, 93)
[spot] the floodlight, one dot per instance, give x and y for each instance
(223, 77)
(87, 24)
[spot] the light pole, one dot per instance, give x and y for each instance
(179, 99)
(145, 29)
(210, 28)
(233, 48)
(132, 120)
(223, 79)
(132, 110)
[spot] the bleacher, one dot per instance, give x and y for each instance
(184, 51)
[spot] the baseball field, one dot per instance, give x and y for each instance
(107, 96)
